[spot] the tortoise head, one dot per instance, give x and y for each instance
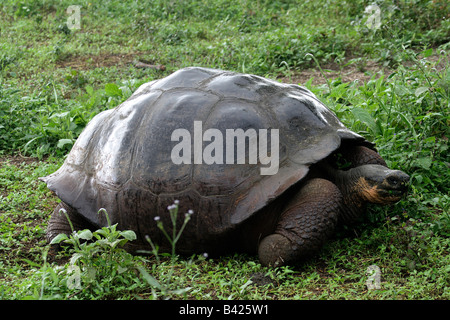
(378, 184)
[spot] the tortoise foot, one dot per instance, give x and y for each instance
(275, 250)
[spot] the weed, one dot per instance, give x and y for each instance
(97, 269)
(168, 287)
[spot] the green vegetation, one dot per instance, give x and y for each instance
(391, 84)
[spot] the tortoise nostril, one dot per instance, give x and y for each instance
(406, 178)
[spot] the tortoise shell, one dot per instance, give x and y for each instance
(122, 160)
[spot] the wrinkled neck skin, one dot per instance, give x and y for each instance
(353, 205)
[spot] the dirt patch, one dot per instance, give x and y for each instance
(362, 71)
(85, 62)
(260, 279)
(18, 160)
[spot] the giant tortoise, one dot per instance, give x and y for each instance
(266, 167)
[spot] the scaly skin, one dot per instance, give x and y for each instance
(307, 221)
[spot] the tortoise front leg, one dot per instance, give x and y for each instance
(306, 222)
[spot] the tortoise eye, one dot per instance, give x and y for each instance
(393, 180)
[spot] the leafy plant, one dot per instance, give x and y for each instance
(98, 265)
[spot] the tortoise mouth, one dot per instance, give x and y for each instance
(393, 191)
(384, 196)
(394, 194)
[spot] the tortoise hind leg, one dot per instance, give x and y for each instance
(58, 222)
(306, 222)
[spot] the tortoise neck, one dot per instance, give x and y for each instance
(353, 204)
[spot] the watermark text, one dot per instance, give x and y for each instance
(234, 152)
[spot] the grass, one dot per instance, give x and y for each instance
(389, 84)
